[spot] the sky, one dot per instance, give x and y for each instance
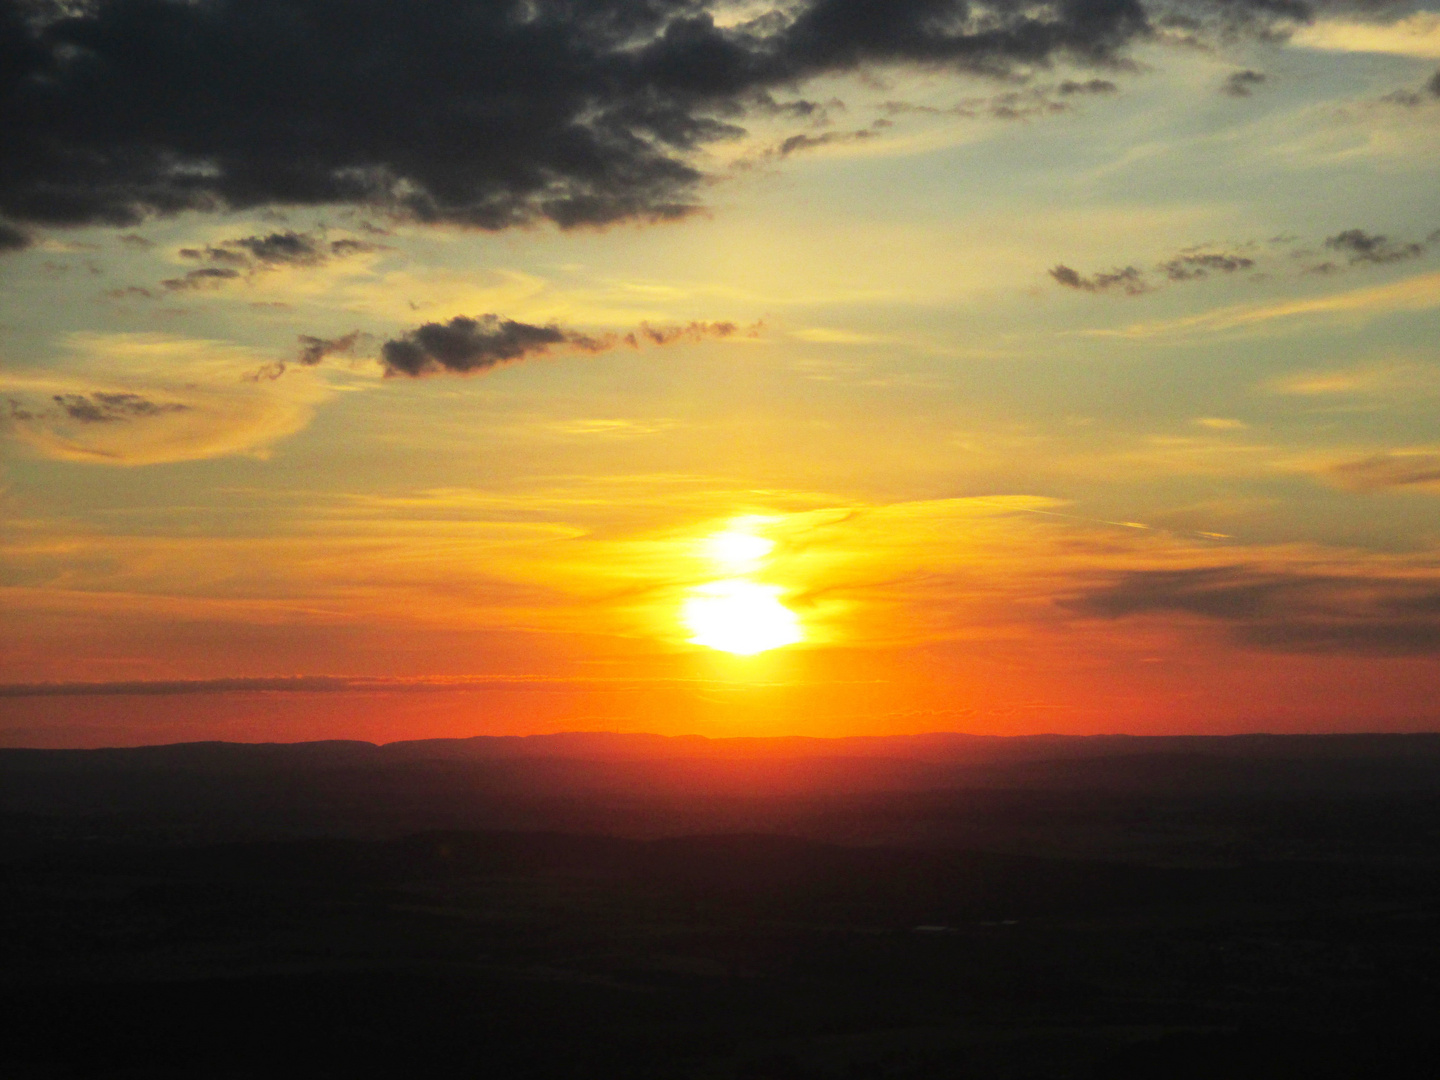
(384, 371)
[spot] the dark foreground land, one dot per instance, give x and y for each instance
(599, 908)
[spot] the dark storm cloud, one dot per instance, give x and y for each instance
(1242, 83)
(103, 408)
(1282, 610)
(1434, 84)
(1129, 280)
(12, 239)
(1208, 24)
(485, 115)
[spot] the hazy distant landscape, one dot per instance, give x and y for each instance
(583, 906)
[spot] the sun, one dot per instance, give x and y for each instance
(740, 617)
(738, 551)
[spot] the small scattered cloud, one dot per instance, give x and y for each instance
(312, 351)
(207, 277)
(1356, 247)
(248, 256)
(1359, 246)
(315, 349)
(130, 292)
(1127, 279)
(17, 410)
(1220, 423)
(1241, 84)
(1189, 265)
(1090, 86)
(804, 141)
(1415, 97)
(467, 346)
(288, 248)
(464, 345)
(102, 408)
(817, 112)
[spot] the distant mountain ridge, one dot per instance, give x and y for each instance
(947, 747)
(995, 792)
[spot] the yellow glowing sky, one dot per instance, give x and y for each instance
(922, 483)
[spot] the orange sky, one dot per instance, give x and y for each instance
(1092, 395)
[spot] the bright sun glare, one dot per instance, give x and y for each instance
(740, 617)
(738, 550)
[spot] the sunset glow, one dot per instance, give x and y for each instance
(1085, 390)
(738, 550)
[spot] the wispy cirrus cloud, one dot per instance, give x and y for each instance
(1418, 293)
(314, 684)
(1392, 469)
(1416, 34)
(140, 399)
